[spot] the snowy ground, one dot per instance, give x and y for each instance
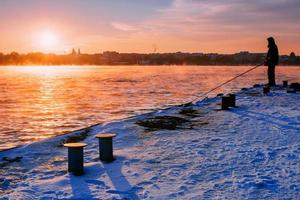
(249, 152)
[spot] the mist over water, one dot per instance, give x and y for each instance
(41, 102)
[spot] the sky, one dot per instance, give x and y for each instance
(146, 26)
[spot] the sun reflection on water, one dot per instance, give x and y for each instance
(45, 98)
(49, 71)
(38, 102)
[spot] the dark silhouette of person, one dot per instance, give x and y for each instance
(272, 60)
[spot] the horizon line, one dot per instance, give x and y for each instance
(90, 53)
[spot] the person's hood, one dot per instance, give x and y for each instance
(271, 42)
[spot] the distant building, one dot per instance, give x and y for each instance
(243, 56)
(73, 52)
(197, 54)
(110, 54)
(283, 59)
(144, 62)
(213, 55)
(292, 57)
(111, 57)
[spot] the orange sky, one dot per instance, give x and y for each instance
(223, 26)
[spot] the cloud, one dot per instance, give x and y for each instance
(123, 26)
(234, 13)
(227, 24)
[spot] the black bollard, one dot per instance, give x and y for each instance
(295, 86)
(290, 90)
(232, 100)
(266, 89)
(106, 146)
(285, 83)
(225, 102)
(75, 158)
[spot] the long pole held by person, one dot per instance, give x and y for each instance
(217, 87)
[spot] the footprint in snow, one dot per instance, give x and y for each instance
(282, 149)
(145, 183)
(293, 124)
(292, 156)
(215, 139)
(154, 186)
(272, 155)
(259, 157)
(295, 187)
(182, 191)
(118, 192)
(95, 182)
(267, 184)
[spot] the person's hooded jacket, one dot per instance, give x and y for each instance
(273, 55)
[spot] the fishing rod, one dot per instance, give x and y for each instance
(205, 94)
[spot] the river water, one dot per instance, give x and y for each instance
(38, 102)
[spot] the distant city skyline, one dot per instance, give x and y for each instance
(115, 58)
(143, 26)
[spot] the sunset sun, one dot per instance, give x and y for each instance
(47, 39)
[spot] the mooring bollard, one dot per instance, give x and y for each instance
(290, 90)
(225, 102)
(285, 83)
(266, 89)
(106, 146)
(75, 157)
(232, 100)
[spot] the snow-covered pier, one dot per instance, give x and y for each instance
(193, 152)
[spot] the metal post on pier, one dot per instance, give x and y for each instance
(75, 158)
(225, 103)
(106, 146)
(232, 100)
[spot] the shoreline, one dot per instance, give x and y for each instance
(70, 133)
(97, 126)
(203, 158)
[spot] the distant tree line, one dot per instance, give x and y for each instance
(115, 58)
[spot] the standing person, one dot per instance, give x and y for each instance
(272, 60)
